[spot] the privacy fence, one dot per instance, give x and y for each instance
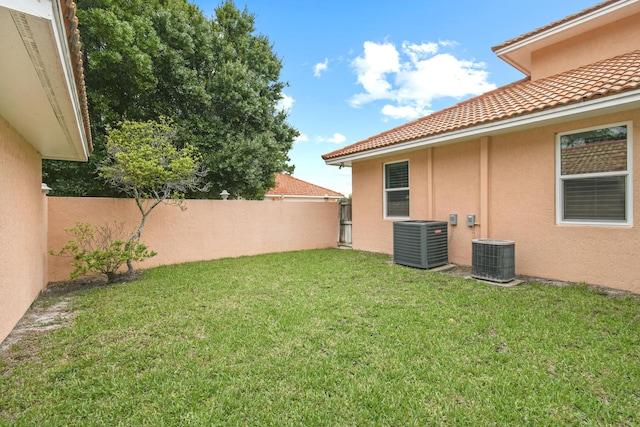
(207, 229)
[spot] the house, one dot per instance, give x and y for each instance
(293, 189)
(43, 115)
(550, 162)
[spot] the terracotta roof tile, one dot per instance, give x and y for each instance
(603, 156)
(68, 8)
(605, 78)
(286, 185)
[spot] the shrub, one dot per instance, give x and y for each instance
(101, 249)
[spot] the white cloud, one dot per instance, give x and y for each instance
(415, 76)
(448, 43)
(320, 67)
(301, 138)
(379, 60)
(285, 103)
(404, 112)
(337, 138)
(418, 52)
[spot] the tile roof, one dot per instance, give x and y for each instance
(603, 156)
(554, 24)
(605, 78)
(68, 8)
(286, 185)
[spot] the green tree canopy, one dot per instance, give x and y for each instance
(215, 78)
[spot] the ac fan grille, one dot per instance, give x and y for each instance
(420, 244)
(493, 260)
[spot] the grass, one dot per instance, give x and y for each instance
(329, 337)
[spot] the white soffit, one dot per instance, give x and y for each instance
(38, 95)
(519, 53)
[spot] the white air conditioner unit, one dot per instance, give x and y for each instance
(493, 260)
(420, 244)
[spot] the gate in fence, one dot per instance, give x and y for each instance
(344, 235)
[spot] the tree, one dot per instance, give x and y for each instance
(144, 163)
(214, 78)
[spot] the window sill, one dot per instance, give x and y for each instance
(594, 224)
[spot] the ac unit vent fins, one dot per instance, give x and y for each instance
(493, 260)
(420, 244)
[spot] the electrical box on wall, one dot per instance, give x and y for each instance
(453, 219)
(471, 220)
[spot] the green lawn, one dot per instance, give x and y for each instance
(328, 338)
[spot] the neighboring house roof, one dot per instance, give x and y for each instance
(288, 186)
(603, 156)
(597, 81)
(42, 77)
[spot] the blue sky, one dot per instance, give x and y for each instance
(358, 68)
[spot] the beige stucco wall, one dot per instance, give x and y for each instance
(515, 201)
(207, 229)
(22, 227)
(605, 42)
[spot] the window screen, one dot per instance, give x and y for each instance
(594, 175)
(396, 184)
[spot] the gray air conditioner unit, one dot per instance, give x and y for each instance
(420, 244)
(493, 260)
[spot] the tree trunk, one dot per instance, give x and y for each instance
(144, 214)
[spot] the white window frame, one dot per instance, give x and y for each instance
(628, 174)
(385, 190)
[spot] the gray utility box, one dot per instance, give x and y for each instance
(493, 260)
(420, 244)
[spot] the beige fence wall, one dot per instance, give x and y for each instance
(207, 229)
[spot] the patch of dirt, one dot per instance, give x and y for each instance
(51, 310)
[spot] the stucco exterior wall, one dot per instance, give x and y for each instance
(512, 194)
(603, 255)
(604, 42)
(207, 229)
(370, 230)
(22, 227)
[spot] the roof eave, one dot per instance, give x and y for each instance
(606, 105)
(40, 85)
(518, 53)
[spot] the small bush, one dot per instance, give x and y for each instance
(101, 249)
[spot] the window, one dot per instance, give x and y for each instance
(396, 190)
(594, 182)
